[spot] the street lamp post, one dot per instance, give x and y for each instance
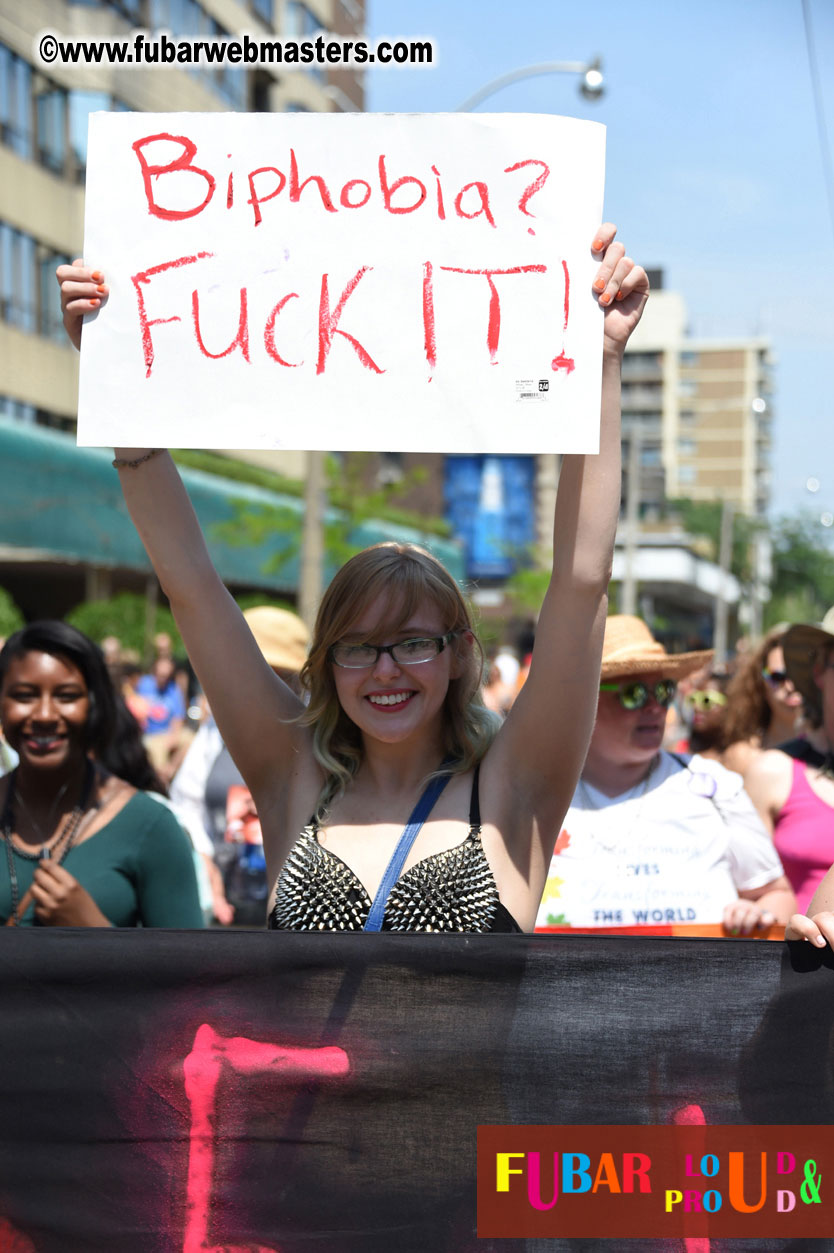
(591, 87)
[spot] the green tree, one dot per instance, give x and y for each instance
(352, 504)
(124, 616)
(802, 587)
(702, 518)
(11, 619)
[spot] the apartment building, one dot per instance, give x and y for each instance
(46, 561)
(701, 410)
(43, 136)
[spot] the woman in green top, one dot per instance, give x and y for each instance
(81, 847)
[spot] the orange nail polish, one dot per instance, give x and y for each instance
(598, 245)
(97, 276)
(95, 303)
(606, 299)
(599, 284)
(101, 288)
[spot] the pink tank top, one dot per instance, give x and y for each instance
(804, 837)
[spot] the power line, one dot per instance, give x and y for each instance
(822, 129)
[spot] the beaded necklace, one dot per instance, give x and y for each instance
(56, 850)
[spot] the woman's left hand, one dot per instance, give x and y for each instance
(817, 929)
(60, 900)
(621, 287)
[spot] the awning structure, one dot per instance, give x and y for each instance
(62, 504)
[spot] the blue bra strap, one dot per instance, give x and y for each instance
(419, 815)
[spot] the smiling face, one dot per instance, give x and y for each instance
(624, 737)
(390, 700)
(44, 710)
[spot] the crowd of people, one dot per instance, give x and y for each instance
(380, 775)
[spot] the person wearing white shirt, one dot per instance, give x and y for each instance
(652, 838)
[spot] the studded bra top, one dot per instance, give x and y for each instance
(449, 891)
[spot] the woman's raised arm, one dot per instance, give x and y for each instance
(537, 756)
(252, 706)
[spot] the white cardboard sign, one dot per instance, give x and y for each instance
(353, 281)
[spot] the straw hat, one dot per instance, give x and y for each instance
(802, 645)
(629, 648)
(280, 635)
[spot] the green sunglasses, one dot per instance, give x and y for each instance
(636, 695)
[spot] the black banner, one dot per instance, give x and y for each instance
(192, 1092)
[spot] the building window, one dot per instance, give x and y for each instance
(686, 447)
(134, 10)
(51, 113)
(687, 474)
(50, 320)
(263, 9)
(689, 358)
(15, 102)
(301, 24)
(18, 410)
(18, 298)
(688, 388)
(28, 292)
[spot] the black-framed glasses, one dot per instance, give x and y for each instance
(775, 677)
(706, 701)
(406, 653)
(636, 695)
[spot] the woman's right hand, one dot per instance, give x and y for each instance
(817, 929)
(82, 291)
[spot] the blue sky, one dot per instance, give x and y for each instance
(714, 169)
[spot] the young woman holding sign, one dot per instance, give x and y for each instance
(395, 734)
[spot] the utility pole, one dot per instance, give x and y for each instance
(725, 557)
(632, 517)
(311, 572)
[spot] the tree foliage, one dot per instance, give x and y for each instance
(702, 518)
(802, 587)
(11, 619)
(124, 616)
(352, 503)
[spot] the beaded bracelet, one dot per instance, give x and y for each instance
(120, 463)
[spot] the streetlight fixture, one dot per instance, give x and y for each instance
(591, 87)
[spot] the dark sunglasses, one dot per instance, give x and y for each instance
(775, 677)
(637, 695)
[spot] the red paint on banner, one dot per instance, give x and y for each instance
(483, 192)
(181, 164)
(531, 188)
(328, 324)
(692, 1116)
(567, 294)
(441, 208)
(297, 188)
(254, 199)
(388, 189)
(269, 332)
(563, 362)
(213, 1055)
(344, 194)
(429, 326)
(144, 276)
(494, 323)
(241, 340)
(12, 1240)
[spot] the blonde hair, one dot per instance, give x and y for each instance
(406, 577)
